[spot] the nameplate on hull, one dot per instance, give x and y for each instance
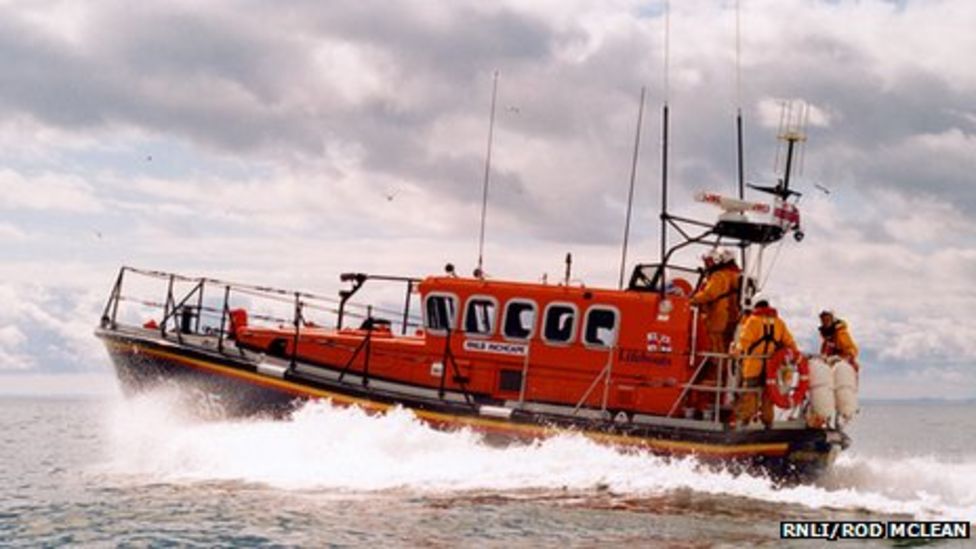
(500, 348)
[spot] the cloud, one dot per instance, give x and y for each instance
(48, 191)
(266, 143)
(49, 328)
(11, 232)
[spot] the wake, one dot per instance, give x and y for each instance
(344, 450)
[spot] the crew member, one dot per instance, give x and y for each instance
(837, 340)
(718, 299)
(760, 335)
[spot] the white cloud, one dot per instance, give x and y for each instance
(11, 232)
(47, 327)
(301, 122)
(12, 355)
(49, 191)
(775, 111)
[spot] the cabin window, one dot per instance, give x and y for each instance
(479, 317)
(601, 327)
(560, 323)
(519, 319)
(439, 312)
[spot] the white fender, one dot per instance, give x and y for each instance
(822, 402)
(845, 389)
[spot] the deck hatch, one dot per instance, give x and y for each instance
(510, 380)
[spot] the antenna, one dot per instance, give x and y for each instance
(630, 194)
(783, 106)
(738, 104)
(664, 143)
(802, 154)
(479, 271)
(793, 133)
(739, 140)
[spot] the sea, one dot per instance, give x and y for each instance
(146, 472)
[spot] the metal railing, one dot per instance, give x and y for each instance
(183, 311)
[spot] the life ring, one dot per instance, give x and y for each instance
(679, 287)
(792, 398)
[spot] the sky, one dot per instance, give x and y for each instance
(282, 143)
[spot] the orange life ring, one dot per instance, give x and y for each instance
(773, 392)
(680, 287)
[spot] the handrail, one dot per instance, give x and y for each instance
(359, 279)
(173, 304)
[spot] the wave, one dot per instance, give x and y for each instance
(326, 448)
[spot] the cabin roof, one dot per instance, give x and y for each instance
(529, 289)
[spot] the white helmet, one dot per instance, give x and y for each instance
(714, 256)
(725, 255)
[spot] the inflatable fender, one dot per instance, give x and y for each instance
(822, 401)
(845, 389)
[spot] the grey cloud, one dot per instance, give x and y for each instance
(226, 76)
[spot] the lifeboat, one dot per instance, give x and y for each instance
(628, 367)
(511, 359)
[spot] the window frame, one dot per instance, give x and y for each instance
(535, 321)
(494, 321)
(573, 330)
(453, 326)
(586, 325)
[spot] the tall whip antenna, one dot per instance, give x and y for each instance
(739, 145)
(630, 194)
(667, 52)
(479, 272)
(664, 142)
(738, 102)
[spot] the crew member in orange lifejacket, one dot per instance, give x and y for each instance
(837, 340)
(760, 334)
(718, 298)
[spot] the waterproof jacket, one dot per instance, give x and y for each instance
(839, 342)
(761, 334)
(719, 298)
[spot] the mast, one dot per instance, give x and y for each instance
(738, 105)
(479, 271)
(740, 157)
(630, 194)
(664, 189)
(664, 144)
(793, 131)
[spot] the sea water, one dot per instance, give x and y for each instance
(146, 472)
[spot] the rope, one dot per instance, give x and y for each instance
(772, 264)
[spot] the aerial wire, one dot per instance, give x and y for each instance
(479, 272)
(630, 194)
